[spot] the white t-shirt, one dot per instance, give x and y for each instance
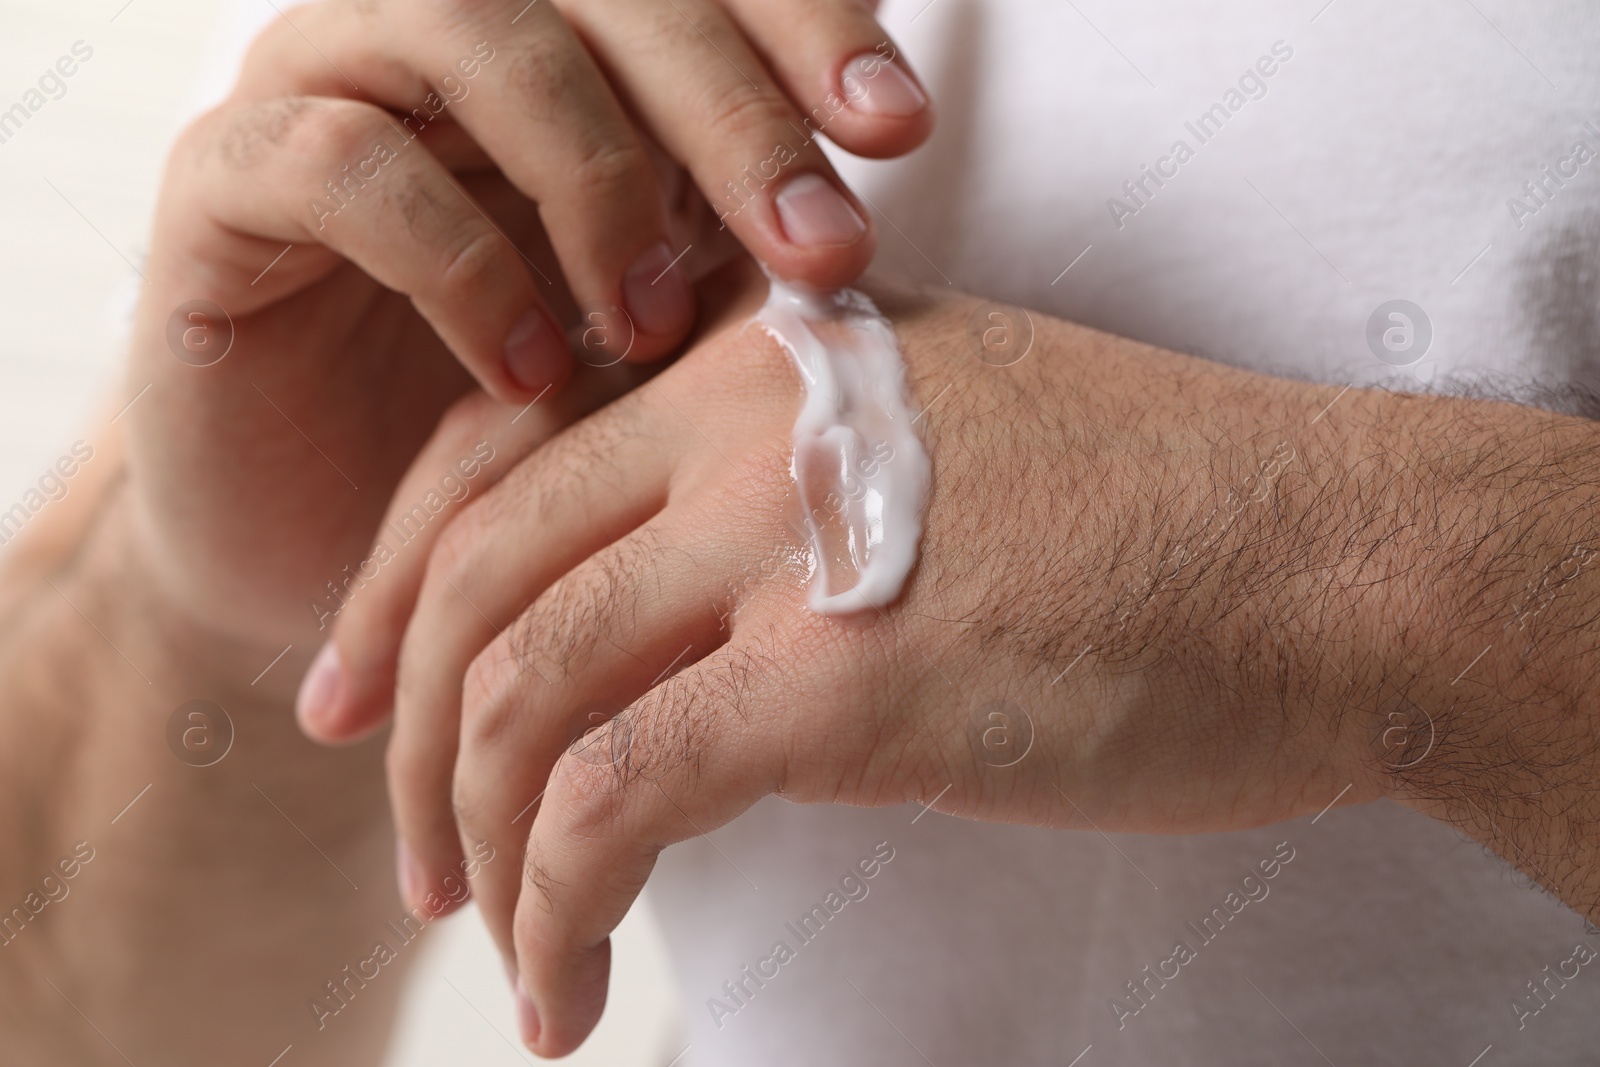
(1387, 156)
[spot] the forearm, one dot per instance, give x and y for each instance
(1482, 685)
(219, 899)
(1398, 592)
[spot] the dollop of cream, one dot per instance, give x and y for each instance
(860, 469)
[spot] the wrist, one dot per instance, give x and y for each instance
(1489, 651)
(1251, 599)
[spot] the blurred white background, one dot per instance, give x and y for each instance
(77, 184)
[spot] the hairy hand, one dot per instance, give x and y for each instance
(619, 632)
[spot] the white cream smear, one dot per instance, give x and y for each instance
(861, 470)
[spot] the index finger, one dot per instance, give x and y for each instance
(688, 70)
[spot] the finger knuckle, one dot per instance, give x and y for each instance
(455, 560)
(545, 71)
(670, 725)
(610, 167)
(416, 198)
(245, 137)
(743, 113)
(470, 423)
(340, 131)
(466, 806)
(589, 457)
(490, 704)
(586, 799)
(474, 263)
(596, 603)
(543, 484)
(608, 744)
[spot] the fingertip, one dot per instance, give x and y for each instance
(827, 238)
(815, 213)
(434, 896)
(527, 1016)
(334, 707)
(535, 358)
(318, 706)
(656, 290)
(885, 110)
(884, 137)
(571, 1006)
(882, 87)
(348, 730)
(889, 111)
(407, 873)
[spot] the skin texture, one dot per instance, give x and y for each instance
(1215, 599)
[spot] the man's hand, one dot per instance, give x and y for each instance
(1155, 595)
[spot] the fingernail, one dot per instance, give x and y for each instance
(879, 86)
(657, 292)
(527, 1016)
(409, 874)
(814, 212)
(536, 354)
(318, 700)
